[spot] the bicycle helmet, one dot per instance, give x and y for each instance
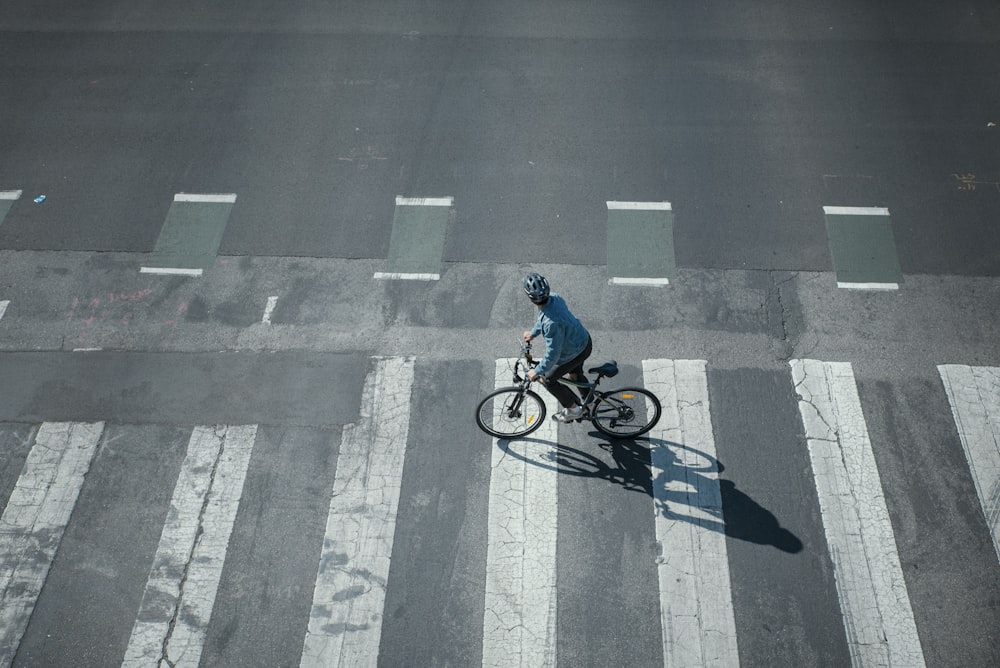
(536, 287)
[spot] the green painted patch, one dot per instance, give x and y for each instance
(191, 235)
(7, 199)
(641, 243)
(417, 242)
(5, 205)
(863, 249)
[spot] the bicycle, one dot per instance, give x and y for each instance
(516, 411)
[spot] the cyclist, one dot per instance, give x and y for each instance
(567, 345)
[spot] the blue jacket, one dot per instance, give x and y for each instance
(565, 337)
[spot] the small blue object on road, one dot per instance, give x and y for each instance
(39, 199)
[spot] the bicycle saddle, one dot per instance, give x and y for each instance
(609, 369)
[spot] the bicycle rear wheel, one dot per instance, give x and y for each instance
(510, 413)
(626, 413)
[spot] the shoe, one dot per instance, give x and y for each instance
(568, 415)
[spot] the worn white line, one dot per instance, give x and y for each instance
(87, 350)
(642, 282)
(974, 395)
(10, 194)
(180, 592)
(35, 518)
(855, 211)
(873, 599)
(395, 276)
(696, 603)
(269, 309)
(345, 624)
(867, 286)
(425, 201)
(641, 206)
(519, 623)
(3, 307)
(173, 271)
(212, 198)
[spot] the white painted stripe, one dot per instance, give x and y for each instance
(3, 307)
(269, 309)
(87, 350)
(10, 194)
(641, 206)
(216, 198)
(175, 271)
(873, 599)
(519, 624)
(974, 395)
(180, 593)
(855, 211)
(643, 282)
(696, 603)
(425, 201)
(345, 624)
(394, 276)
(868, 286)
(36, 517)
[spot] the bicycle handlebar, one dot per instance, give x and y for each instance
(531, 363)
(526, 352)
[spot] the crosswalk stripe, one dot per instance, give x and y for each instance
(35, 518)
(696, 606)
(519, 623)
(180, 592)
(881, 630)
(345, 624)
(974, 395)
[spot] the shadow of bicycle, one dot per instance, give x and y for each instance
(682, 482)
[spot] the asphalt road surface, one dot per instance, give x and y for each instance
(278, 261)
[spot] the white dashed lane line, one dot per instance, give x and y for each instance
(269, 309)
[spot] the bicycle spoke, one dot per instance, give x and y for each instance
(626, 413)
(509, 413)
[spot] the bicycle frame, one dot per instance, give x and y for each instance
(589, 399)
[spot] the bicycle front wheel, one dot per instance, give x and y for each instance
(626, 413)
(510, 413)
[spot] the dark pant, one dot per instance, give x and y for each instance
(566, 396)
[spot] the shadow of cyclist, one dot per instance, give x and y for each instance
(684, 488)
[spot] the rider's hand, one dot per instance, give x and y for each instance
(532, 376)
(526, 337)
